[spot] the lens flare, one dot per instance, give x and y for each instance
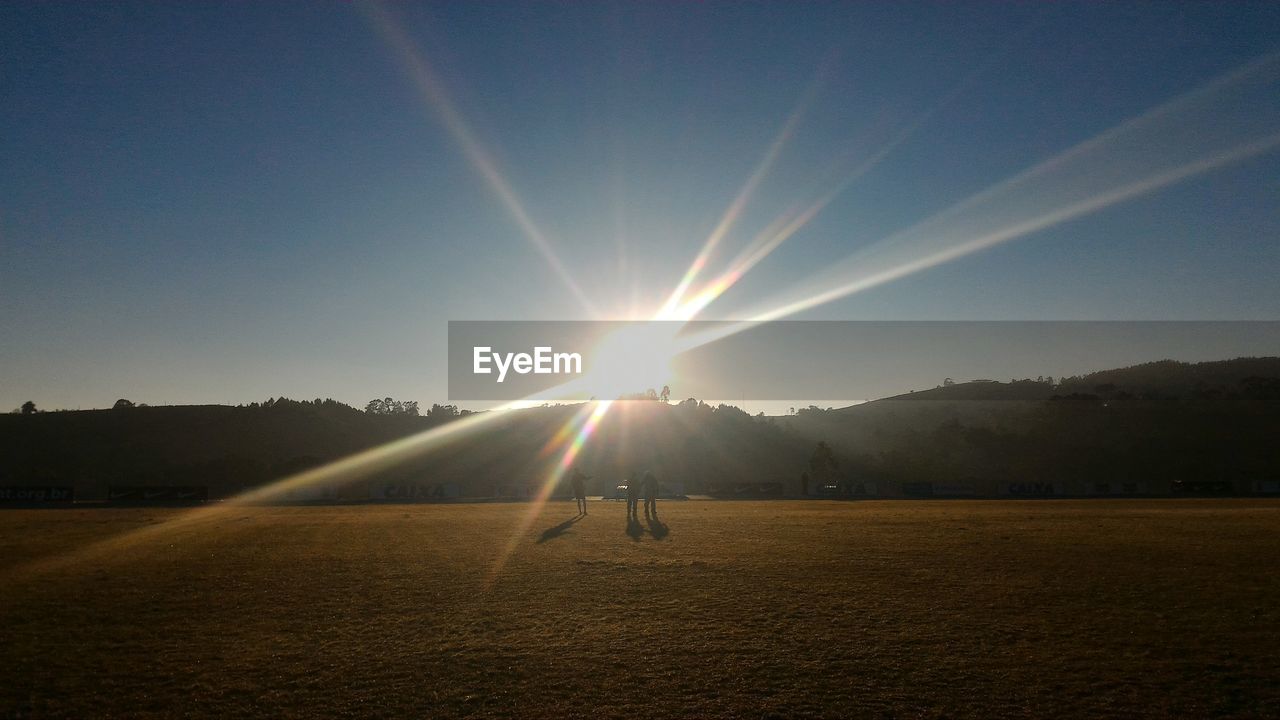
(902, 264)
(732, 213)
(571, 443)
(437, 98)
(1228, 120)
(791, 222)
(348, 469)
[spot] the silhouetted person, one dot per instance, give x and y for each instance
(579, 483)
(650, 489)
(633, 495)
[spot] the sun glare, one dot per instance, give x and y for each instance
(632, 359)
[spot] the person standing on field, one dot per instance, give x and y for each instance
(633, 494)
(579, 483)
(650, 489)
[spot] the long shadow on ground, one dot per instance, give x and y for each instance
(557, 531)
(657, 529)
(634, 529)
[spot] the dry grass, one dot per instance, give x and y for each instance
(745, 609)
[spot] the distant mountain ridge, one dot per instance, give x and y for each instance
(1173, 378)
(1169, 378)
(978, 391)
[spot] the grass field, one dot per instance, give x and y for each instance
(1149, 608)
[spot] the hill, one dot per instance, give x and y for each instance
(1150, 428)
(1169, 378)
(1147, 428)
(977, 391)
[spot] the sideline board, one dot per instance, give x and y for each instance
(954, 490)
(1202, 487)
(1115, 488)
(1031, 488)
(935, 490)
(156, 494)
(37, 494)
(413, 491)
(308, 493)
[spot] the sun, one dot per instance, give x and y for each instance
(633, 358)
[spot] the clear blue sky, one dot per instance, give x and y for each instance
(208, 202)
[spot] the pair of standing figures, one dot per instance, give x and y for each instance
(648, 488)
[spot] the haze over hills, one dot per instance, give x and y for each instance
(1146, 427)
(1168, 378)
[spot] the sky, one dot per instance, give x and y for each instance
(220, 203)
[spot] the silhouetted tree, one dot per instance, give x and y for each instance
(391, 406)
(122, 404)
(649, 394)
(439, 411)
(29, 408)
(822, 464)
